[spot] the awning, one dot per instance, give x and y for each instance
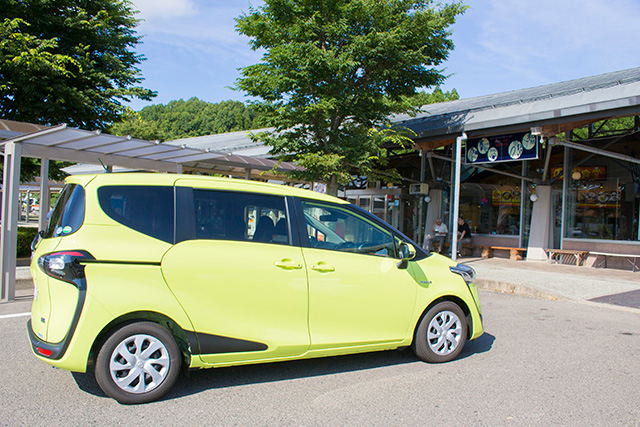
(82, 146)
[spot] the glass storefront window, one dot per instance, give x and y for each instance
(364, 202)
(491, 209)
(379, 207)
(604, 209)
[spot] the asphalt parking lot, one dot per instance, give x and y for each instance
(539, 362)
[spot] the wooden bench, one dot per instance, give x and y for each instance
(629, 257)
(558, 254)
(514, 253)
(466, 249)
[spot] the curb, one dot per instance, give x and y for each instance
(24, 283)
(517, 289)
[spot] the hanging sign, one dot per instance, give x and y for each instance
(503, 148)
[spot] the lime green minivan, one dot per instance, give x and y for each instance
(140, 275)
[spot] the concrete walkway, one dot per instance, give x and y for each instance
(558, 281)
(539, 279)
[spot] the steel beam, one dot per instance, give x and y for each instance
(598, 151)
(513, 175)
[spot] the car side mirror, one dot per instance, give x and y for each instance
(407, 252)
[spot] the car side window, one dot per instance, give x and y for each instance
(223, 215)
(144, 208)
(336, 228)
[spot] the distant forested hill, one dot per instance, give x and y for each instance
(183, 119)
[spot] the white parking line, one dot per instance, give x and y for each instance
(9, 316)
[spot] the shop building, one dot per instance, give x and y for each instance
(514, 149)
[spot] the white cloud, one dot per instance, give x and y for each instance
(513, 44)
(524, 35)
(194, 50)
(163, 9)
(202, 27)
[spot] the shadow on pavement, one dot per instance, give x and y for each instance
(217, 378)
(482, 344)
(625, 299)
(197, 381)
(87, 383)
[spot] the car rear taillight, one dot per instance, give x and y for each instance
(66, 265)
(44, 351)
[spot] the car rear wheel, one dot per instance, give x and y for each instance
(441, 333)
(138, 363)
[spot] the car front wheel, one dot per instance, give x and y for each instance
(138, 363)
(441, 333)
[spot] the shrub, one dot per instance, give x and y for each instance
(25, 237)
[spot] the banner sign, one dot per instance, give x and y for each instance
(505, 198)
(583, 173)
(503, 148)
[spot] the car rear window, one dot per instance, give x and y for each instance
(68, 214)
(146, 209)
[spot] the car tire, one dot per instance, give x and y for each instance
(441, 333)
(138, 363)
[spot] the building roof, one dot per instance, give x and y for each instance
(581, 100)
(11, 129)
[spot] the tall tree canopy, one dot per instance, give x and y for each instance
(183, 119)
(424, 98)
(335, 70)
(68, 61)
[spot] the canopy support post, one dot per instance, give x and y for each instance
(9, 227)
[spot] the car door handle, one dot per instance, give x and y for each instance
(288, 264)
(322, 267)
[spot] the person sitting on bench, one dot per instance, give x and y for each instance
(440, 231)
(464, 233)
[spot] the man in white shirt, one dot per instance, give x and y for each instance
(440, 232)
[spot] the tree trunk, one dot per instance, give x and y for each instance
(332, 186)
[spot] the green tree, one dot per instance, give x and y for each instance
(334, 70)
(68, 61)
(184, 119)
(134, 125)
(424, 98)
(610, 127)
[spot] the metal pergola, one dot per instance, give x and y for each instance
(78, 145)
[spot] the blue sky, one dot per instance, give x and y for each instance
(193, 50)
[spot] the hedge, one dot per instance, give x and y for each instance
(25, 237)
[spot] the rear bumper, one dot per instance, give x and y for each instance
(47, 350)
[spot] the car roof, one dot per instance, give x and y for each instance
(218, 183)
